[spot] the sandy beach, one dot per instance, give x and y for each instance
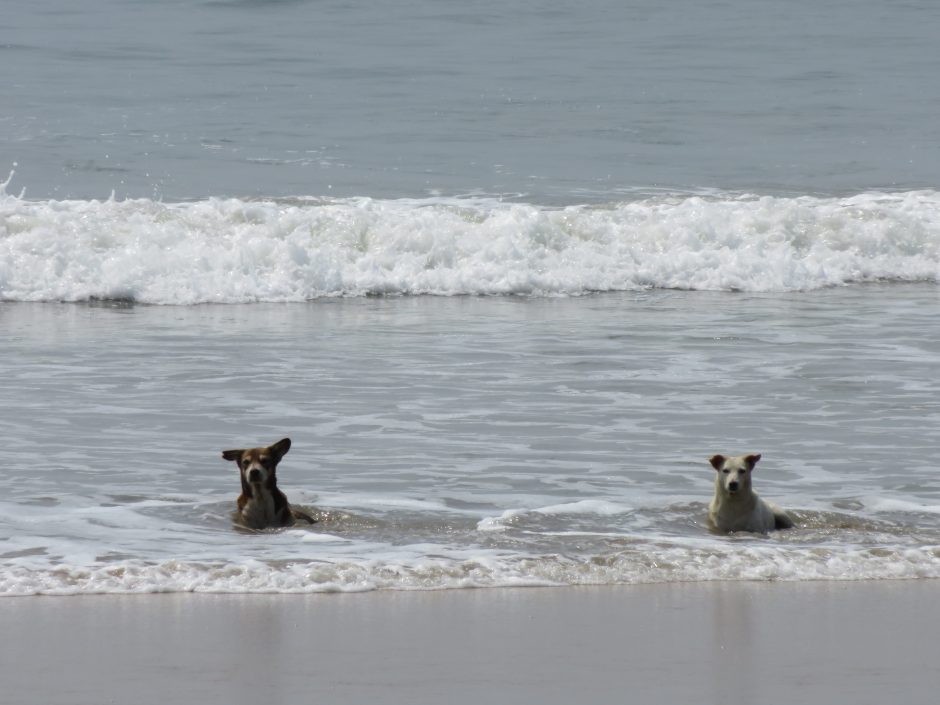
(858, 642)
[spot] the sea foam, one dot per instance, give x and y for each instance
(233, 251)
(643, 564)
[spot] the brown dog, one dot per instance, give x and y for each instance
(261, 504)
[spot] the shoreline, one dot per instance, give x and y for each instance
(809, 642)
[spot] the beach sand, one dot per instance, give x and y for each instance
(775, 643)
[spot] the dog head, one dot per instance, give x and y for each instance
(258, 465)
(734, 474)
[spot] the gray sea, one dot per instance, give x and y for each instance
(507, 274)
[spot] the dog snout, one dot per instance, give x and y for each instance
(254, 475)
(733, 486)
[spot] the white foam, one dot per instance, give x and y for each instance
(736, 560)
(81, 549)
(230, 250)
(500, 523)
(353, 501)
(891, 504)
(585, 507)
(310, 537)
(598, 507)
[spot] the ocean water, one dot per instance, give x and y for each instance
(506, 274)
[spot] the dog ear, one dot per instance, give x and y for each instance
(751, 460)
(232, 454)
(717, 461)
(279, 449)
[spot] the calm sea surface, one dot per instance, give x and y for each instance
(556, 101)
(506, 273)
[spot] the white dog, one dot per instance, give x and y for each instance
(736, 506)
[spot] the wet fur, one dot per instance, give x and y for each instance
(736, 506)
(262, 505)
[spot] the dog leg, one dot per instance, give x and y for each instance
(782, 520)
(301, 516)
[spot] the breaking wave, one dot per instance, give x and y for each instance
(237, 251)
(638, 566)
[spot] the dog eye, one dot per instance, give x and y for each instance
(246, 462)
(726, 471)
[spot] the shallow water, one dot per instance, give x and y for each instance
(506, 274)
(450, 442)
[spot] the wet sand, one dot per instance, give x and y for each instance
(774, 643)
